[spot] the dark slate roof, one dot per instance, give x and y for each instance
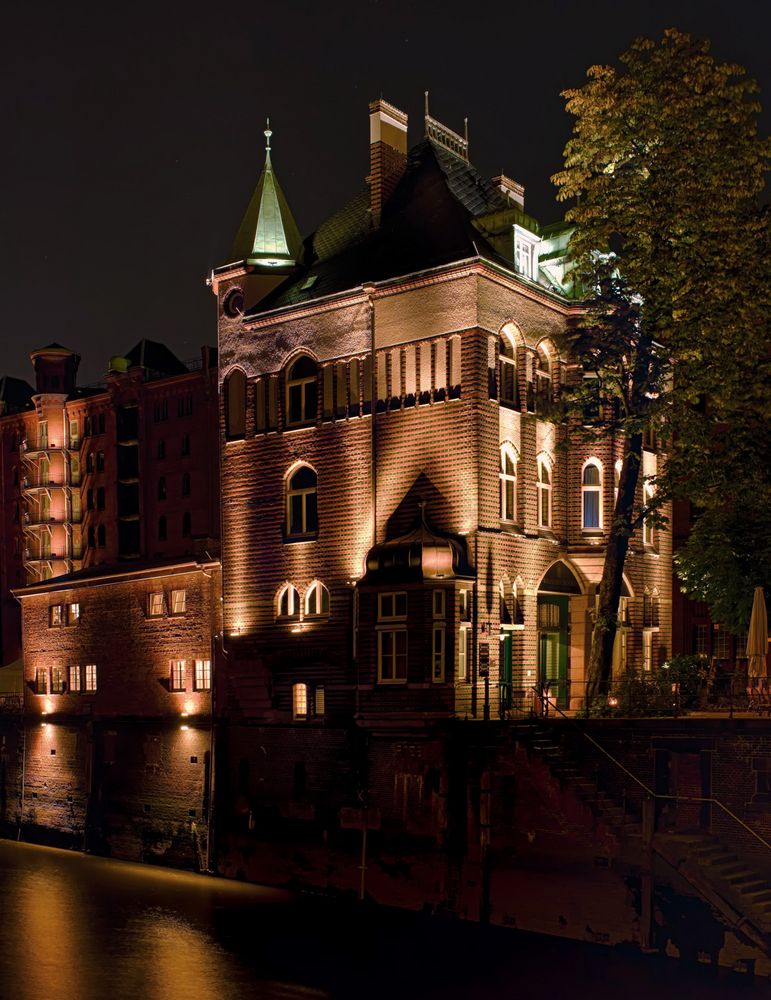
(427, 222)
(155, 357)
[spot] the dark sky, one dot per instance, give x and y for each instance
(133, 133)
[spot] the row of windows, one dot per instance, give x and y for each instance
(307, 704)
(163, 527)
(64, 614)
(159, 604)
(184, 447)
(100, 499)
(512, 356)
(290, 608)
(404, 376)
(184, 408)
(91, 461)
(184, 489)
(91, 426)
(201, 675)
(77, 679)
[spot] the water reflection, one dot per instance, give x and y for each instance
(80, 928)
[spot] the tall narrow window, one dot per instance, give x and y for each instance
(464, 671)
(162, 528)
(544, 494)
(100, 461)
(437, 660)
(288, 604)
(301, 392)
(235, 404)
(177, 675)
(187, 524)
(648, 533)
(90, 677)
(616, 480)
(508, 477)
(76, 678)
(41, 681)
(299, 701)
(185, 484)
(301, 502)
(508, 394)
(162, 488)
(101, 536)
(155, 604)
(591, 497)
(202, 675)
(185, 444)
(57, 680)
(100, 498)
(392, 656)
(543, 376)
(178, 602)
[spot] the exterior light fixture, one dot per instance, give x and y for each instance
(184, 727)
(189, 706)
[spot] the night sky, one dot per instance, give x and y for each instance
(133, 133)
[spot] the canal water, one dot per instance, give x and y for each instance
(81, 928)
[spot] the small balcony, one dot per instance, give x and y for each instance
(30, 484)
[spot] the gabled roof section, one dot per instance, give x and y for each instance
(15, 395)
(155, 357)
(268, 234)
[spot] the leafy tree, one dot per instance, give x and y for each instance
(666, 167)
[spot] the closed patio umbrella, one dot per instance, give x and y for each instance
(757, 636)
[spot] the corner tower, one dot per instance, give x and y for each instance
(266, 248)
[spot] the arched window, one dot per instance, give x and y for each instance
(235, 404)
(299, 701)
(90, 462)
(544, 493)
(543, 375)
(316, 600)
(100, 461)
(301, 391)
(91, 537)
(162, 528)
(301, 508)
(508, 476)
(591, 496)
(288, 602)
(507, 372)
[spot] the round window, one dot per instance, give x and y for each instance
(234, 303)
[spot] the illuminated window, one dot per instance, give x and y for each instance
(316, 600)
(392, 656)
(508, 393)
(56, 615)
(437, 658)
(300, 701)
(507, 594)
(544, 494)
(524, 254)
(177, 675)
(392, 606)
(591, 496)
(301, 502)
(76, 678)
(235, 404)
(288, 604)
(648, 533)
(178, 602)
(508, 478)
(73, 434)
(75, 470)
(438, 603)
(90, 677)
(41, 681)
(202, 676)
(464, 605)
(155, 604)
(57, 680)
(543, 375)
(301, 392)
(319, 700)
(73, 613)
(649, 637)
(464, 666)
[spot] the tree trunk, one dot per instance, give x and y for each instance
(598, 674)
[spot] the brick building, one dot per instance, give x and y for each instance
(122, 470)
(118, 679)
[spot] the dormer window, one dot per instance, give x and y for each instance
(525, 253)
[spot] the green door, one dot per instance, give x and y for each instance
(553, 646)
(505, 671)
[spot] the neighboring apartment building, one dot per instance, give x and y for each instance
(123, 470)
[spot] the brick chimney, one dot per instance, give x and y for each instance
(387, 153)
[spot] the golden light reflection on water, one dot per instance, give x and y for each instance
(49, 938)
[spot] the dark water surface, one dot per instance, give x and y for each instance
(80, 928)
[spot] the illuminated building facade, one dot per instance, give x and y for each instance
(122, 470)
(405, 536)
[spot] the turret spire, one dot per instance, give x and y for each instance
(268, 235)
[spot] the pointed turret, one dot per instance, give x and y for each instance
(268, 235)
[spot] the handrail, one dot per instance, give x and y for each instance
(649, 791)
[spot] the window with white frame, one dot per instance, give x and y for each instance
(525, 254)
(301, 392)
(202, 676)
(392, 656)
(316, 600)
(302, 502)
(90, 677)
(300, 701)
(544, 493)
(464, 605)
(591, 496)
(41, 681)
(508, 479)
(392, 605)
(464, 664)
(437, 603)
(155, 605)
(57, 680)
(649, 639)
(76, 678)
(508, 394)
(437, 655)
(178, 602)
(288, 603)
(543, 375)
(73, 613)
(177, 675)
(56, 615)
